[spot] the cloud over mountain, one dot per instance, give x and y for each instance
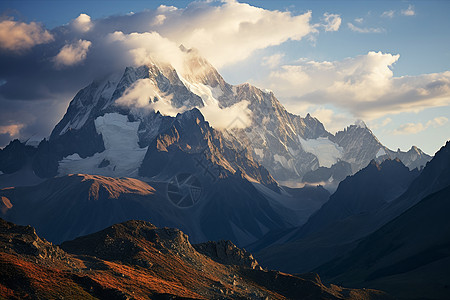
(70, 56)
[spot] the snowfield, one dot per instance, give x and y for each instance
(327, 152)
(121, 150)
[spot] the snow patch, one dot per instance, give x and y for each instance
(121, 150)
(380, 152)
(259, 152)
(327, 152)
(287, 164)
(34, 141)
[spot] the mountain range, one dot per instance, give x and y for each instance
(384, 227)
(129, 111)
(181, 148)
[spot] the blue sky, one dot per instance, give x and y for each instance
(357, 61)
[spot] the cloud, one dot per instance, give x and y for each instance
(223, 118)
(143, 96)
(359, 20)
(409, 11)
(159, 20)
(437, 122)
(12, 130)
(412, 128)
(273, 61)
(409, 128)
(225, 33)
(18, 36)
(333, 121)
(146, 48)
(381, 124)
(388, 14)
(332, 22)
(363, 86)
(231, 32)
(72, 54)
(365, 29)
(82, 23)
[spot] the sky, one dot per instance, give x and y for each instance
(384, 62)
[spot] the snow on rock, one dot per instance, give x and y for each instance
(284, 162)
(327, 152)
(380, 152)
(34, 141)
(259, 152)
(360, 123)
(122, 156)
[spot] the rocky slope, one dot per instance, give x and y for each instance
(136, 260)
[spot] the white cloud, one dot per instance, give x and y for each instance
(365, 29)
(72, 54)
(386, 121)
(333, 121)
(82, 23)
(273, 60)
(409, 128)
(230, 32)
(222, 118)
(388, 14)
(437, 122)
(144, 95)
(383, 123)
(18, 36)
(359, 20)
(332, 22)
(147, 48)
(363, 85)
(409, 11)
(412, 128)
(159, 20)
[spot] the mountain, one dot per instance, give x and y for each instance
(111, 128)
(361, 146)
(362, 204)
(136, 260)
(408, 257)
(342, 220)
(232, 208)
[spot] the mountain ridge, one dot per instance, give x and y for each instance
(149, 97)
(136, 260)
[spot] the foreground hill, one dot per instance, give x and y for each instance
(136, 260)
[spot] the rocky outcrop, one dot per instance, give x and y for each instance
(225, 252)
